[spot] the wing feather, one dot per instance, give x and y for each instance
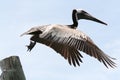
(70, 53)
(77, 40)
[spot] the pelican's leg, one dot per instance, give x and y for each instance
(31, 45)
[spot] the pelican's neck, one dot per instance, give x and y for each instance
(74, 18)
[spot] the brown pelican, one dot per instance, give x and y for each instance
(67, 41)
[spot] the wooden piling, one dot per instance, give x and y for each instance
(11, 69)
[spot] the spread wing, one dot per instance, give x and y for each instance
(69, 53)
(75, 40)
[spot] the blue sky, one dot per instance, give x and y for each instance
(42, 63)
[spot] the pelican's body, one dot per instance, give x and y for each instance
(67, 41)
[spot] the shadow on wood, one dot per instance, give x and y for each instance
(11, 69)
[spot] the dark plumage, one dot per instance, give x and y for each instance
(67, 41)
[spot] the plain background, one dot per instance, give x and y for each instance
(43, 63)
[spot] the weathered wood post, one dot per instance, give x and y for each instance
(11, 69)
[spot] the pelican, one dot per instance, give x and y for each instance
(68, 41)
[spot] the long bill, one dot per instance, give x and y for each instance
(81, 14)
(89, 17)
(96, 20)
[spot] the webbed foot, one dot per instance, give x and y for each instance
(31, 45)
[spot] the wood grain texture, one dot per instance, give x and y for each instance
(11, 69)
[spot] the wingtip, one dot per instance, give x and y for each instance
(23, 34)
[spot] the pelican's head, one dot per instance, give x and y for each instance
(81, 14)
